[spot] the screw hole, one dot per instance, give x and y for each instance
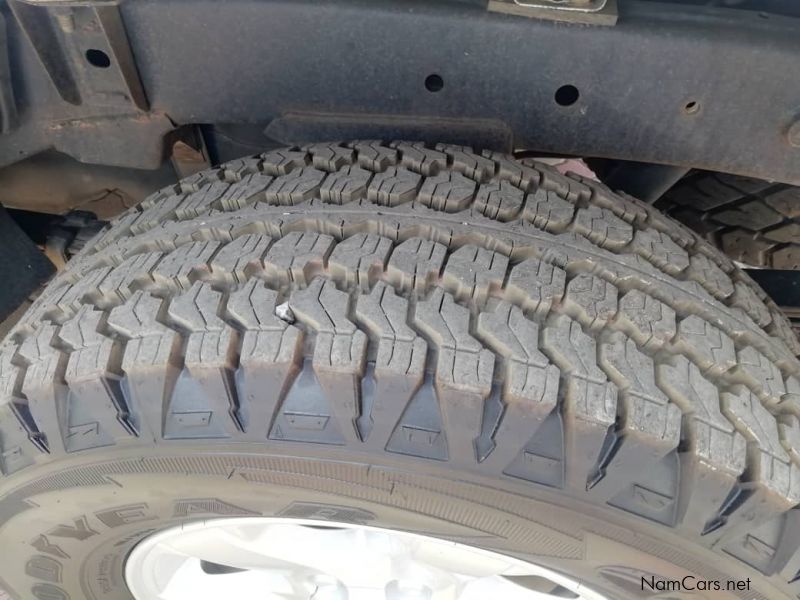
(434, 83)
(567, 95)
(692, 107)
(98, 58)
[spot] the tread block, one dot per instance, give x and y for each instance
(464, 370)
(714, 438)
(177, 269)
(146, 358)
(339, 350)
(240, 259)
(708, 274)
(283, 161)
(536, 285)
(746, 298)
(648, 413)
(96, 405)
(789, 434)
(374, 156)
(91, 350)
(474, 272)
(340, 345)
(267, 338)
(546, 210)
(160, 212)
(360, 259)
(399, 363)
(602, 227)
(706, 345)
(330, 157)
(20, 442)
(777, 482)
(203, 402)
(530, 387)
(44, 388)
(250, 190)
(464, 160)
(297, 257)
(590, 300)
(499, 200)
(347, 185)
(757, 425)
(393, 187)
(416, 263)
(754, 215)
(647, 320)
(781, 328)
(705, 193)
(270, 355)
(601, 195)
(296, 187)
(200, 202)
(553, 180)
(509, 169)
(149, 341)
(416, 157)
(385, 315)
(651, 425)
(197, 181)
(590, 399)
(761, 375)
(241, 168)
(716, 453)
(195, 312)
(16, 449)
(118, 229)
(120, 282)
(661, 250)
(448, 192)
(785, 201)
(462, 362)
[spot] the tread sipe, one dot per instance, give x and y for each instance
(434, 304)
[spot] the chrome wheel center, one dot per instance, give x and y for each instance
(283, 559)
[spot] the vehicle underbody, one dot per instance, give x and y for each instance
(545, 347)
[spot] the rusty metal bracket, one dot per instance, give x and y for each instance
(85, 51)
(590, 12)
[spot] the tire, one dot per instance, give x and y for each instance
(419, 338)
(754, 222)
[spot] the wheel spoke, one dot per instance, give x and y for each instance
(296, 560)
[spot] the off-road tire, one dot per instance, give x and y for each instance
(754, 221)
(421, 338)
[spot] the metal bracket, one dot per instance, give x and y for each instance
(589, 12)
(84, 49)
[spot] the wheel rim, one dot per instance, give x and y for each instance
(289, 559)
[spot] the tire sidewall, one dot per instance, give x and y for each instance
(69, 533)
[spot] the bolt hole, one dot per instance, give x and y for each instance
(434, 83)
(98, 58)
(692, 107)
(567, 95)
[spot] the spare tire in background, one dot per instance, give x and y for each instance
(753, 221)
(414, 338)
